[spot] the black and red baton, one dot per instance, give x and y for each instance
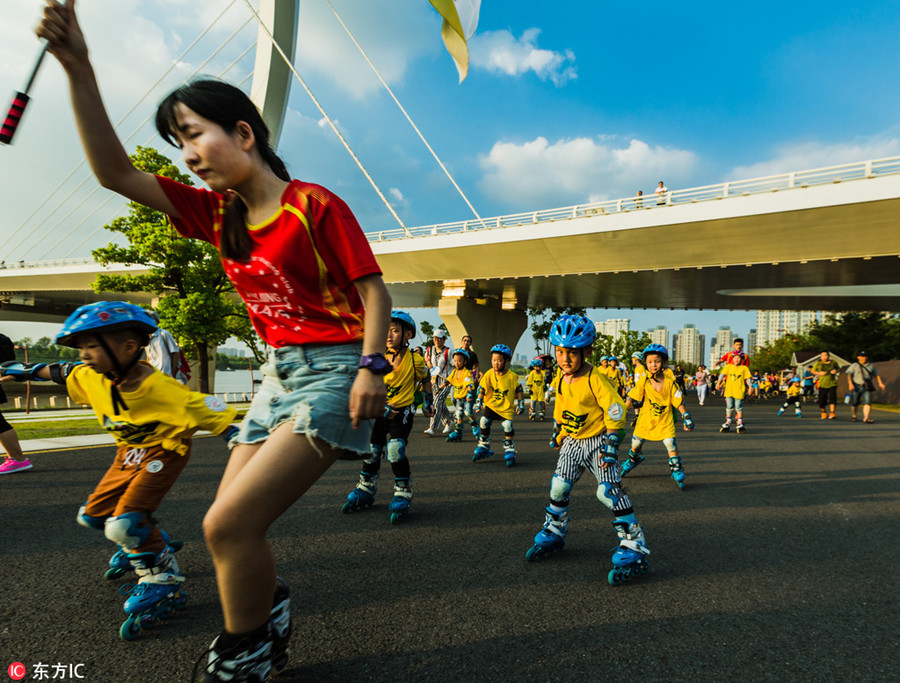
(20, 101)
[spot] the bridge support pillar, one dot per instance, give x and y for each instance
(487, 324)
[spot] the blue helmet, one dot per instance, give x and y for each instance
(537, 363)
(795, 379)
(613, 358)
(657, 349)
(404, 319)
(502, 349)
(573, 332)
(638, 355)
(603, 358)
(106, 316)
(462, 352)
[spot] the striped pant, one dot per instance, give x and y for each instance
(578, 455)
(441, 413)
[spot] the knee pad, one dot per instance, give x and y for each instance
(485, 424)
(396, 450)
(508, 428)
(609, 494)
(88, 521)
(127, 530)
(559, 489)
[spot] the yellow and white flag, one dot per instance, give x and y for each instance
(460, 20)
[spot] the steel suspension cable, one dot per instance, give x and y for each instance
(121, 120)
(327, 118)
(408, 118)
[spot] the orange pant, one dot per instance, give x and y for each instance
(137, 481)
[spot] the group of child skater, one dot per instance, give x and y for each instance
(340, 380)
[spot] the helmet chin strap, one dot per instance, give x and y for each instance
(119, 373)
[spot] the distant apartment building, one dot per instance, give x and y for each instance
(723, 344)
(659, 335)
(752, 343)
(772, 325)
(613, 327)
(687, 345)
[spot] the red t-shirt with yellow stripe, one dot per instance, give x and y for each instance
(298, 283)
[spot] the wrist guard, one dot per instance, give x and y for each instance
(688, 420)
(22, 372)
(230, 433)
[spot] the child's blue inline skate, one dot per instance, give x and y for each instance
(629, 559)
(677, 471)
(363, 495)
(399, 505)
(633, 460)
(456, 434)
(119, 564)
(509, 452)
(156, 595)
(482, 450)
(281, 625)
(551, 538)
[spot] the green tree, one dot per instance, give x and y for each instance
(198, 304)
(846, 335)
(777, 354)
(621, 346)
(427, 330)
(542, 320)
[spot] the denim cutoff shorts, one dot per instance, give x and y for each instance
(734, 404)
(309, 386)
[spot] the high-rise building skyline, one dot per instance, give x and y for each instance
(613, 326)
(687, 345)
(772, 325)
(660, 335)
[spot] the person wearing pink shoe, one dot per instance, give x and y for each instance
(15, 460)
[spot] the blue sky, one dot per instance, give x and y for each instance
(564, 103)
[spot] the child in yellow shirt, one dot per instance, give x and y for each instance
(735, 377)
(793, 396)
(589, 424)
(390, 434)
(537, 389)
(497, 392)
(152, 417)
(656, 422)
(461, 380)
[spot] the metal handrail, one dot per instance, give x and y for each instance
(737, 188)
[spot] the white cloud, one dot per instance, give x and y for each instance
(502, 53)
(539, 174)
(803, 156)
(392, 32)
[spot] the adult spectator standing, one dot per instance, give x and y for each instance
(438, 359)
(827, 371)
(861, 376)
(15, 460)
(701, 380)
(661, 192)
(163, 352)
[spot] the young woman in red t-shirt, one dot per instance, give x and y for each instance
(292, 250)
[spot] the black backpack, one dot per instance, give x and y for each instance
(7, 349)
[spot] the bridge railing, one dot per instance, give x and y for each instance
(740, 188)
(79, 261)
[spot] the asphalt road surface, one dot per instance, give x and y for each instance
(778, 562)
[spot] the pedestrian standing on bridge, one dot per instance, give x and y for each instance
(661, 192)
(300, 261)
